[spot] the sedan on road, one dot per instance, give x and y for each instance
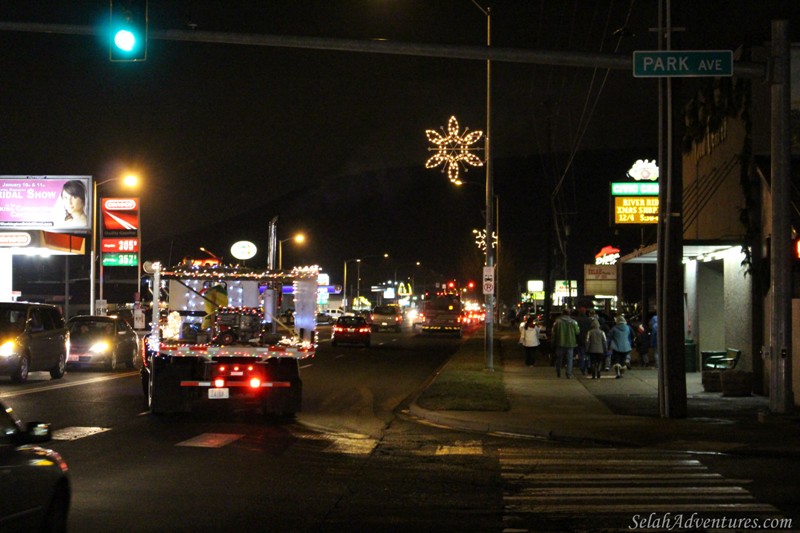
(34, 482)
(351, 329)
(102, 340)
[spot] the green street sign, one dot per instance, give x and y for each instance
(634, 188)
(120, 260)
(682, 63)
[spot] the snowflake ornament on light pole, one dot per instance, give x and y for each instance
(480, 239)
(453, 150)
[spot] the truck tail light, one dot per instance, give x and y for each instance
(255, 383)
(219, 383)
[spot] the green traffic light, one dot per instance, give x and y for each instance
(127, 36)
(125, 40)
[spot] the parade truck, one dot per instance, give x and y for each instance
(221, 340)
(442, 314)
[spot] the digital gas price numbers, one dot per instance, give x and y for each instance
(129, 244)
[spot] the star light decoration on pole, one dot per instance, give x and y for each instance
(453, 150)
(480, 239)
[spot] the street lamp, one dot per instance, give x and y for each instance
(358, 277)
(129, 180)
(298, 238)
(416, 263)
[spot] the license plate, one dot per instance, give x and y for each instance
(220, 393)
(384, 323)
(351, 330)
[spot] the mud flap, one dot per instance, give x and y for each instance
(165, 392)
(283, 401)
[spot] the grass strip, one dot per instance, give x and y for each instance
(464, 385)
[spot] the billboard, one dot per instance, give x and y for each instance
(54, 203)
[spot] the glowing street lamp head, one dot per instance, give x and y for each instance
(131, 180)
(299, 238)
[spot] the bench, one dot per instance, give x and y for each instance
(719, 360)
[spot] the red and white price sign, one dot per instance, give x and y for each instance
(129, 244)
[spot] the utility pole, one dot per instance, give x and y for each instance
(779, 352)
(669, 269)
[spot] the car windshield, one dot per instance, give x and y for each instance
(385, 310)
(12, 319)
(84, 329)
(351, 321)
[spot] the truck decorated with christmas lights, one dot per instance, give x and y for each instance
(221, 340)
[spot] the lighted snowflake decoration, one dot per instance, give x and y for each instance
(453, 150)
(480, 239)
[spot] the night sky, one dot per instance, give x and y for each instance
(226, 136)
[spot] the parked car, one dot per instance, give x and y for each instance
(33, 337)
(386, 317)
(102, 340)
(34, 481)
(325, 319)
(352, 330)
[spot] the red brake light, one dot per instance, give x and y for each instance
(219, 383)
(255, 383)
(222, 368)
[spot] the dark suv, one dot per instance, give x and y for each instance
(33, 337)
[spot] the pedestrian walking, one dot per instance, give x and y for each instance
(620, 339)
(584, 323)
(643, 344)
(654, 337)
(596, 347)
(565, 335)
(529, 339)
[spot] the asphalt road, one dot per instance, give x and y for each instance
(354, 459)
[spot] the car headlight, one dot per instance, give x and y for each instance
(99, 347)
(8, 348)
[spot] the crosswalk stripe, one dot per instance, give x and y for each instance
(565, 481)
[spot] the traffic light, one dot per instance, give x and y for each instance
(470, 285)
(128, 30)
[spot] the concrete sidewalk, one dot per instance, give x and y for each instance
(617, 412)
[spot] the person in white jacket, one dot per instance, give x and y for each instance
(529, 339)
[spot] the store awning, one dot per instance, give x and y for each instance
(692, 250)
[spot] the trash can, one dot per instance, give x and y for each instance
(690, 351)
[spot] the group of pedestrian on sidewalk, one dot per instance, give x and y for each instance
(583, 337)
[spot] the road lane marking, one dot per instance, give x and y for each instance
(470, 447)
(66, 385)
(77, 432)
(211, 440)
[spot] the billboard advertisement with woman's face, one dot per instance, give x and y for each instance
(53, 203)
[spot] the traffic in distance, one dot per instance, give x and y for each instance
(193, 355)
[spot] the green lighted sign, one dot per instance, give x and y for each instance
(634, 188)
(120, 260)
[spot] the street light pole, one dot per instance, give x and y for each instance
(417, 263)
(299, 238)
(490, 252)
(93, 253)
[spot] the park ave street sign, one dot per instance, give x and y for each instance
(682, 63)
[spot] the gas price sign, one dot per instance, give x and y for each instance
(120, 260)
(120, 245)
